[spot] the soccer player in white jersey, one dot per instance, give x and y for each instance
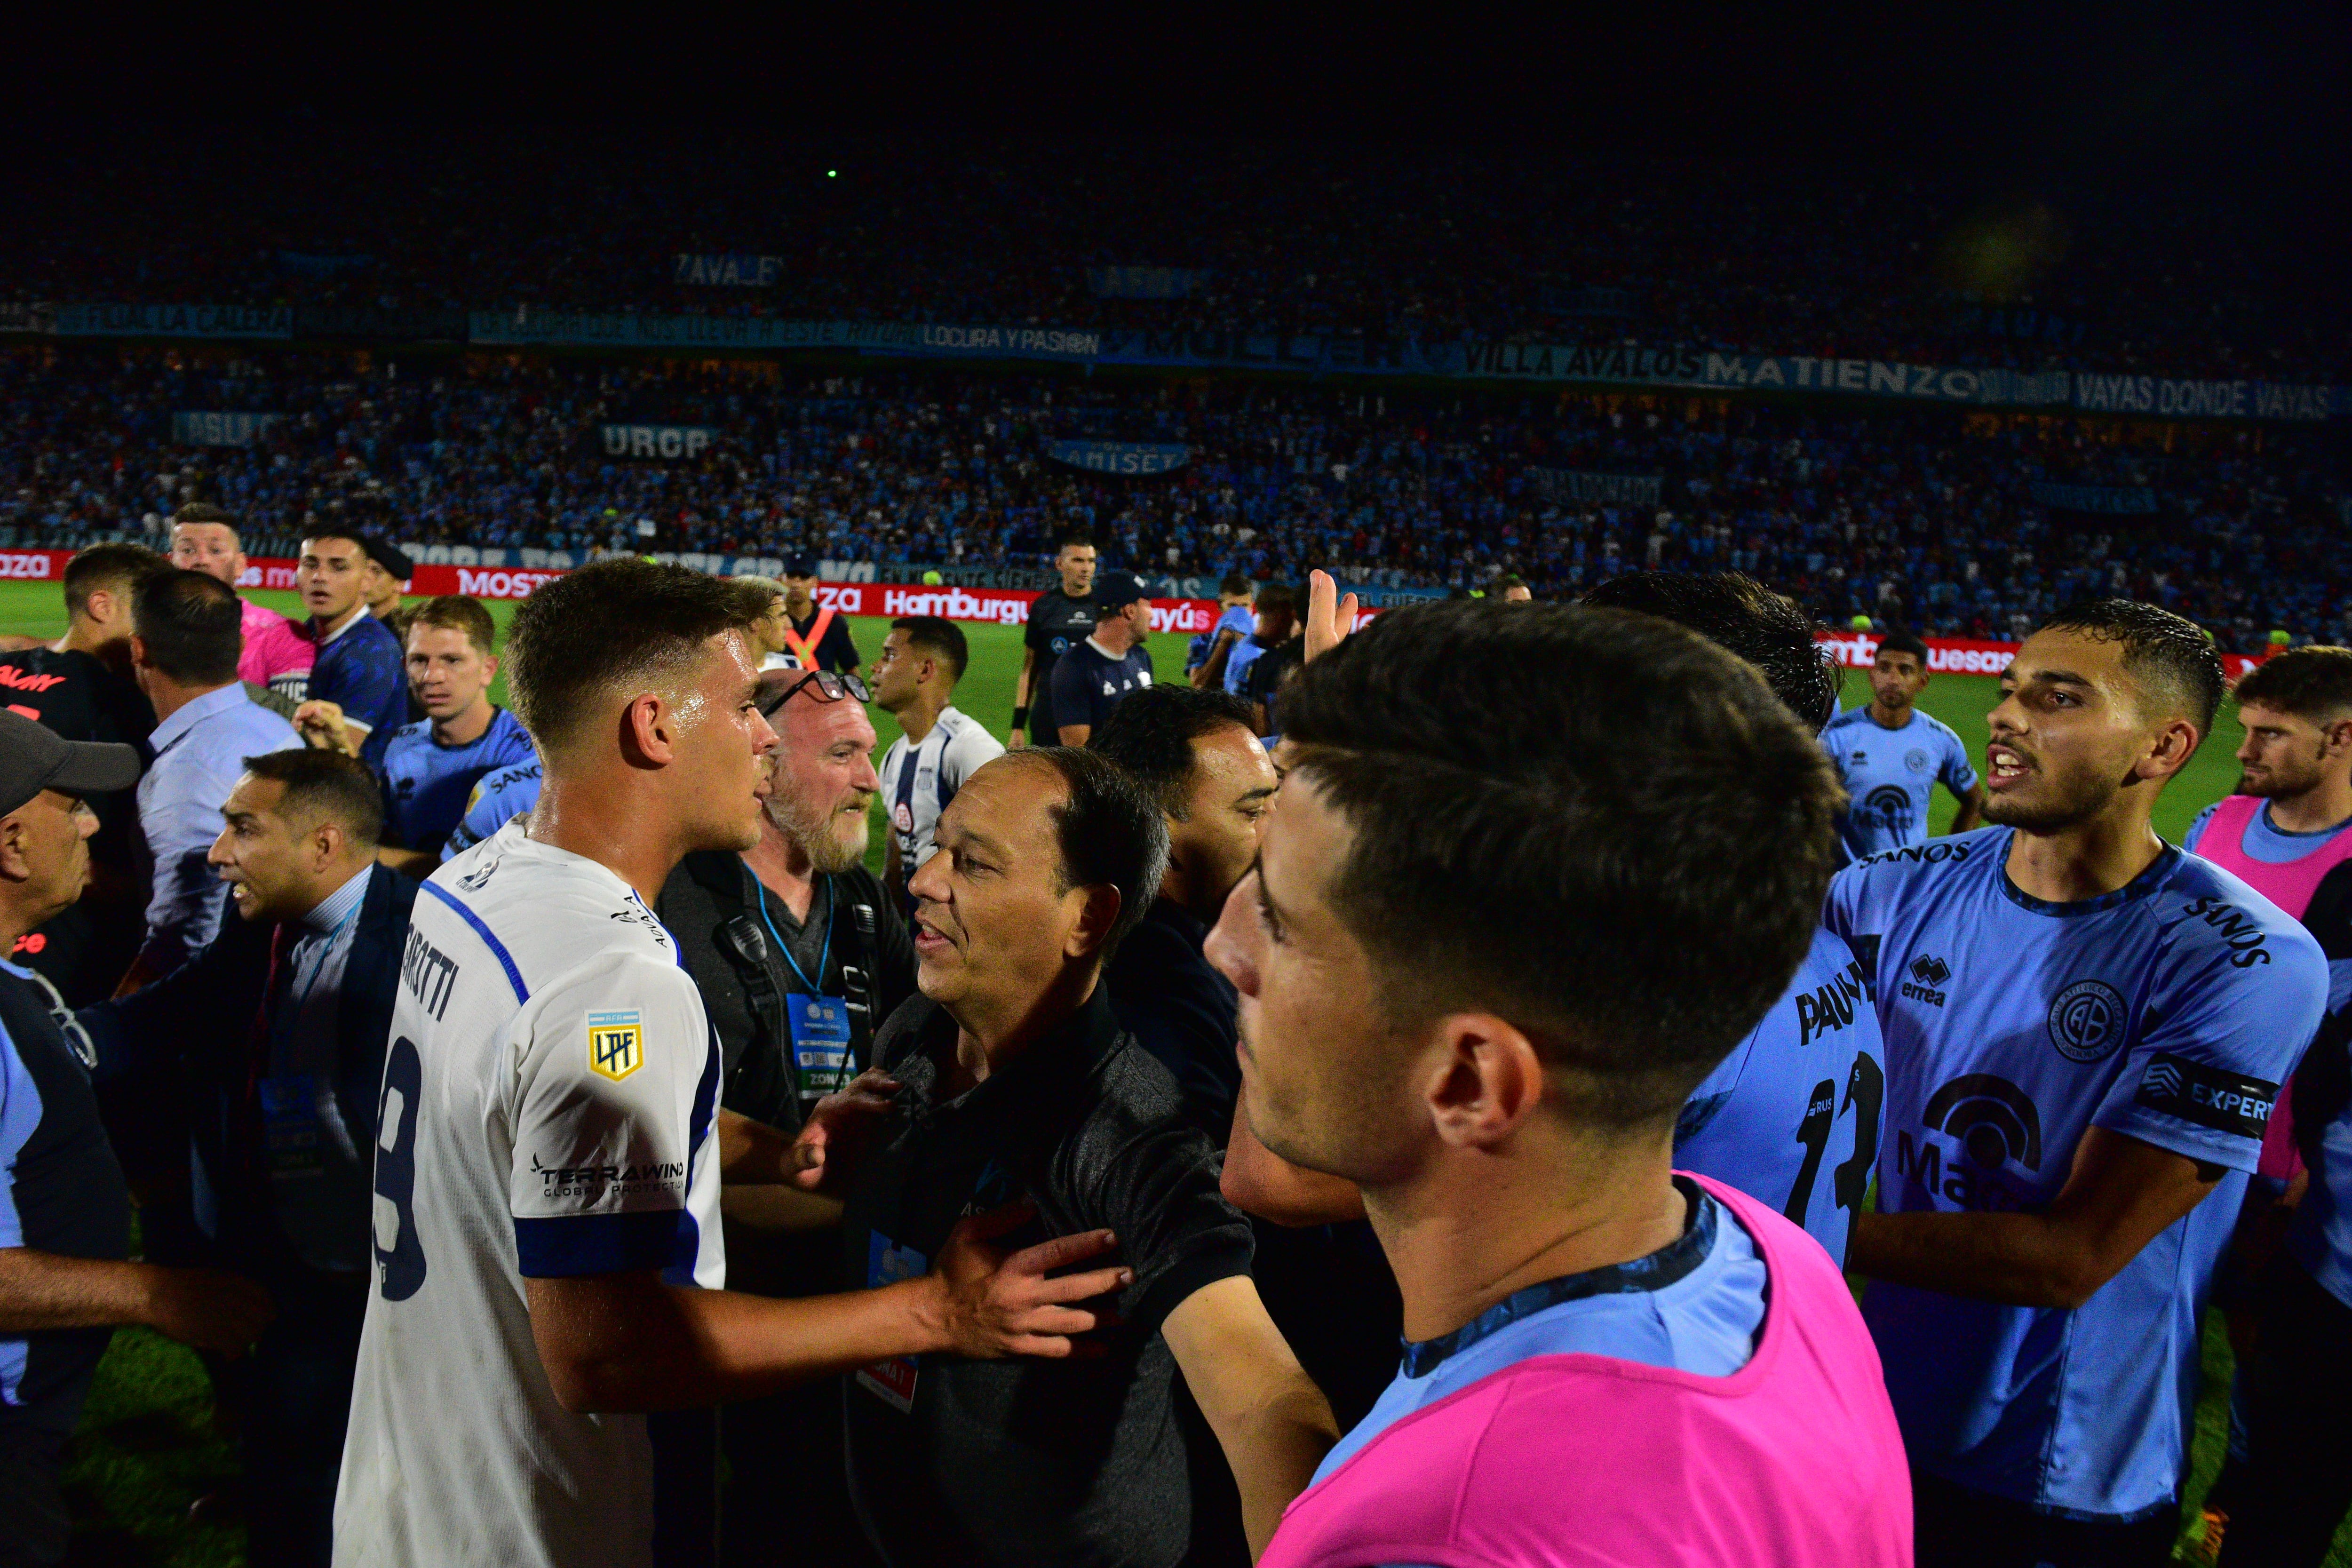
(915, 681)
(547, 1234)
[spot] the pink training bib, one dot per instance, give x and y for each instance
(2290, 885)
(1794, 1460)
(273, 647)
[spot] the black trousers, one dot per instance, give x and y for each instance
(33, 1518)
(1955, 1527)
(292, 1399)
(2297, 1483)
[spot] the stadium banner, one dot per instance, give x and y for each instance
(1121, 456)
(726, 271)
(27, 316)
(525, 328)
(1963, 656)
(1599, 489)
(2168, 399)
(174, 322)
(1144, 282)
(195, 427)
(660, 443)
(2114, 500)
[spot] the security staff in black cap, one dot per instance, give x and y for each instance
(1090, 680)
(64, 1211)
(818, 638)
(388, 572)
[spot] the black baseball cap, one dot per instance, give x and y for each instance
(800, 565)
(391, 557)
(33, 758)
(1115, 590)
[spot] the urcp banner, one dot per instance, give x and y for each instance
(659, 443)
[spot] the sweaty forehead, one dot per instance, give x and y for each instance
(2069, 656)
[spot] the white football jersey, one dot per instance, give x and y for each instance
(918, 782)
(547, 1111)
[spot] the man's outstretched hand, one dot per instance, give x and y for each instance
(838, 1128)
(999, 1305)
(1330, 614)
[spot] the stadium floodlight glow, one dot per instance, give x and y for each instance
(833, 174)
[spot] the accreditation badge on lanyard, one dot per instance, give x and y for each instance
(820, 1027)
(887, 1263)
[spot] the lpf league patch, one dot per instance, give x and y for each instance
(887, 1263)
(2207, 1096)
(616, 1044)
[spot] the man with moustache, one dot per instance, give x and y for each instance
(276, 1031)
(1011, 1080)
(2085, 1032)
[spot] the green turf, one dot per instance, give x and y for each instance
(147, 1446)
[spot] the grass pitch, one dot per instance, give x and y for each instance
(148, 1445)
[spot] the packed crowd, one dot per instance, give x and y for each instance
(1845, 261)
(503, 1090)
(1926, 519)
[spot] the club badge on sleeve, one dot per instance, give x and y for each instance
(616, 1044)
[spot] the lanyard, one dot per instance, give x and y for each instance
(824, 955)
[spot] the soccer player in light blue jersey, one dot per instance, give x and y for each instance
(2085, 1033)
(431, 765)
(1890, 757)
(1791, 1116)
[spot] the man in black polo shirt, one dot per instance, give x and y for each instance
(65, 1212)
(1014, 1084)
(1328, 1287)
(1094, 677)
(81, 687)
(1059, 619)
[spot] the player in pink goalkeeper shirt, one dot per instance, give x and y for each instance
(276, 655)
(1482, 959)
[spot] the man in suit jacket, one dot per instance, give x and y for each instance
(273, 1034)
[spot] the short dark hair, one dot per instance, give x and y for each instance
(1109, 833)
(939, 636)
(1623, 853)
(1507, 582)
(1277, 596)
(1150, 734)
(1234, 583)
(458, 614)
(621, 620)
(104, 567)
(204, 512)
(343, 531)
(1900, 641)
(2169, 655)
(192, 626)
(1075, 540)
(1736, 612)
(326, 784)
(2313, 682)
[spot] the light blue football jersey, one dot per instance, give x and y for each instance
(498, 800)
(1889, 777)
(1791, 1116)
(2168, 1011)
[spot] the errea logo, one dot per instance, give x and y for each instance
(1927, 974)
(616, 1044)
